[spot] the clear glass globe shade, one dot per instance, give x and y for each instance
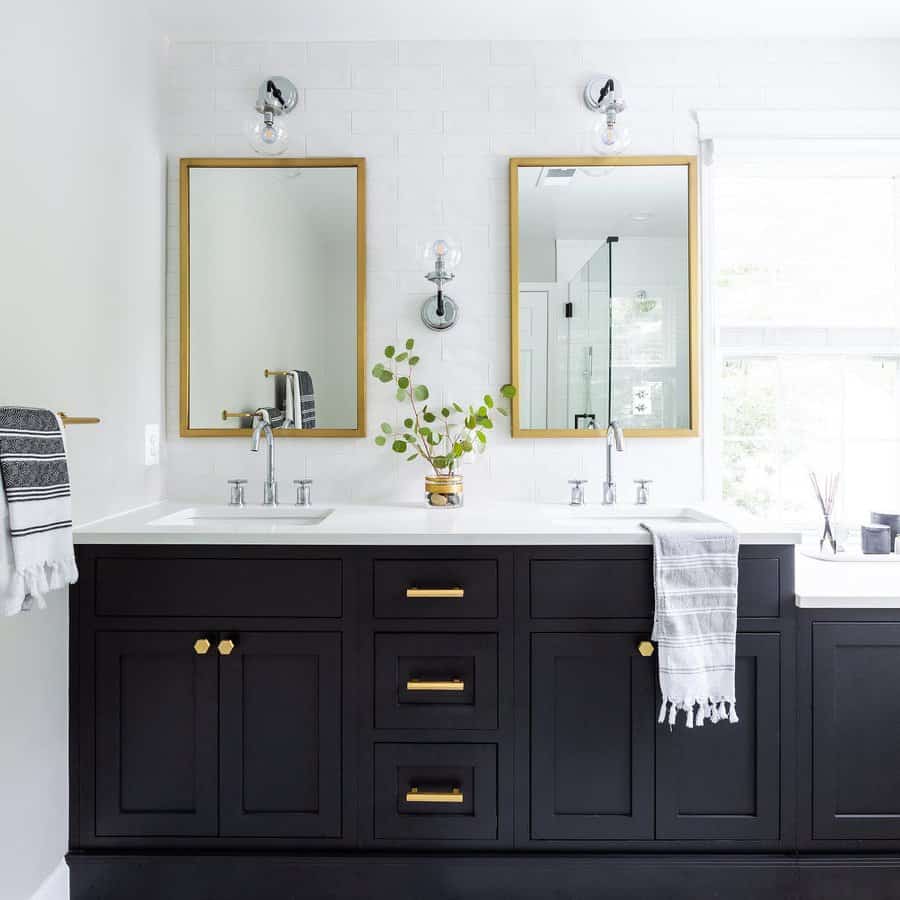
(269, 139)
(446, 249)
(610, 139)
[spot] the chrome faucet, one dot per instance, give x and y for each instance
(613, 436)
(263, 426)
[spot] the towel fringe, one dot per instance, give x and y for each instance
(698, 711)
(44, 577)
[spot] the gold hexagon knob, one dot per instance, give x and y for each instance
(645, 648)
(201, 646)
(225, 647)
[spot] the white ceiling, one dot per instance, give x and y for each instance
(596, 20)
(593, 207)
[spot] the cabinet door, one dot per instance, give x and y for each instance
(722, 782)
(591, 738)
(856, 730)
(156, 735)
(281, 736)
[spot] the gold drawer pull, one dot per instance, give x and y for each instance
(414, 795)
(456, 684)
(645, 648)
(201, 646)
(435, 593)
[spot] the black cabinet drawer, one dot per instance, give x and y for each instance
(435, 588)
(573, 588)
(436, 792)
(436, 680)
(173, 586)
(591, 588)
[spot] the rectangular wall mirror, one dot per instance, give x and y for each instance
(604, 283)
(272, 284)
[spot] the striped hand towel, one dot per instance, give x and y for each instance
(695, 573)
(307, 417)
(38, 502)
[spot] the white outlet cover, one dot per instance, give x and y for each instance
(151, 445)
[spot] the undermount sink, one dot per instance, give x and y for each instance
(254, 516)
(594, 516)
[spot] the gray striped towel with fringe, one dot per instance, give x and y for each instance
(695, 573)
(38, 548)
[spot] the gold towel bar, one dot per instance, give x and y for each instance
(78, 420)
(272, 372)
(236, 415)
(414, 795)
(456, 684)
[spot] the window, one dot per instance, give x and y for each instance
(807, 253)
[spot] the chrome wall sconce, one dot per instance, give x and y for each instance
(440, 311)
(276, 98)
(603, 94)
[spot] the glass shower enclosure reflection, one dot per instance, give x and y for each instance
(611, 353)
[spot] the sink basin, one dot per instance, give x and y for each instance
(253, 516)
(627, 514)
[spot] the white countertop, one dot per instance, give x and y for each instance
(485, 523)
(868, 584)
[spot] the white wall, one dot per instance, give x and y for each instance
(81, 317)
(437, 123)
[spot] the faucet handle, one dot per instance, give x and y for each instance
(236, 491)
(304, 495)
(577, 498)
(643, 492)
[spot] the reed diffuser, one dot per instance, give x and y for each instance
(826, 495)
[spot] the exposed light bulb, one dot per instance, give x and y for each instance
(268, 136)
(445, 252)
(610, 138)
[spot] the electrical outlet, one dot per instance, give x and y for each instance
(151, 445)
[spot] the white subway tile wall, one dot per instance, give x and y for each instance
(437, 122)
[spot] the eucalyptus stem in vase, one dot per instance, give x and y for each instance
(441, 437)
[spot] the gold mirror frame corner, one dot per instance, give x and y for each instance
(185, 166)
(518, 162)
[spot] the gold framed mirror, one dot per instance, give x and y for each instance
(605, 305)
(273, 294)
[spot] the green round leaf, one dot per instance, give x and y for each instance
(403, 382)
(401, 394)
(508, 391)
(488, 401)
(399, 446)
(377, 369)
(389, 351)
(481, 436)
(408, 423)
(445, 413)
(467, 446)
(457, 407)
(410, 343)
(485, 423)
(482, 411)
(401, 356)
(412, 457)
(429, 417)
(420, 392)
(386, 428)
(413, 360)
(502, 411)
(440, 462)
(386, 376)
(381, 440)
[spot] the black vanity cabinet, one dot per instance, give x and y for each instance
(850, 692)
(463, 722)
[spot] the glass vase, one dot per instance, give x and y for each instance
(444, 491)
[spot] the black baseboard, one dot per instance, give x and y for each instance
(481, 877)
